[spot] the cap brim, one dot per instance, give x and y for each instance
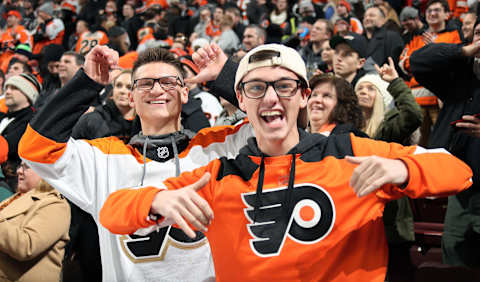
(335, 40)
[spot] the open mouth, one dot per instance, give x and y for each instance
(317, 109)
(157, 102)
(271, 116)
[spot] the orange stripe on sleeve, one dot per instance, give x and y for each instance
(114, 146)
(210, 135)
(125, 211)
(40, 149)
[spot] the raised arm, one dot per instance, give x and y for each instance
(409, 115)
(47, 146)
(435, 66)
(215, 66)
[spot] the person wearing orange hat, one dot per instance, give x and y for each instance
(14, 34)
(343, 11)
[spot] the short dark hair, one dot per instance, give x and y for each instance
(79, 58)
(26, 67)
(347, 109)
(444, 4)
(329, 24)
(157, 55)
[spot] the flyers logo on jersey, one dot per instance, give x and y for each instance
(154, 246)
(311, 219)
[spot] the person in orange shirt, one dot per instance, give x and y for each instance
(213, 28)
(89, 39)
(291, 204)
(438, 31)
(14, 34)
(50, 29)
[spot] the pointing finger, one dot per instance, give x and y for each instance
(201, 182)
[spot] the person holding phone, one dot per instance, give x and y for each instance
(452, 72)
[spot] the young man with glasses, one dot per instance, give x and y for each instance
(284, 208)
(437, 31)
(87, 171)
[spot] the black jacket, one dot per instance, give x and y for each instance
(442, 69)
(14, 131)
(102, 122)
(384, 44)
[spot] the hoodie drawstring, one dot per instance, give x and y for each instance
(287, 206)
(144, 159)
(291, 183)
(258, 200)
(175, 153)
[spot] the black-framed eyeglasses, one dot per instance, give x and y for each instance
(256, 89)
(167, 83)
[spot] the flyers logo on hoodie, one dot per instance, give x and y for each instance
(306, 216)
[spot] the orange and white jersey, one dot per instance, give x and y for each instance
(312, 228)
(87, 171)
(88, 40)
(54, 32)
(356, 25)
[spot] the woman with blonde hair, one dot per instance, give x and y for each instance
(34, 225)
(392, 115)
(390, 110)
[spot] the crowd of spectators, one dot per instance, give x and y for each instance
(397, 71)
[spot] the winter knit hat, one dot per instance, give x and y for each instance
(381, 86)
(47, 8)
(24, 49)
(27, 84)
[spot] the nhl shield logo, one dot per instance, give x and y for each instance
(162, 152)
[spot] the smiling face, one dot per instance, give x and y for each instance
(436, 15)
(321, 104)
(319, 32)
(274, 119)
(159, 110)
(366, 93)
(373, 18)
(467, 25)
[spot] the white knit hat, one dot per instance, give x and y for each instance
(381, 85)
(27, 84)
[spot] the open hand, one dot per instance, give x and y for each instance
(98, 63)
(210, 59)
(185, 206)
(373, 172)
